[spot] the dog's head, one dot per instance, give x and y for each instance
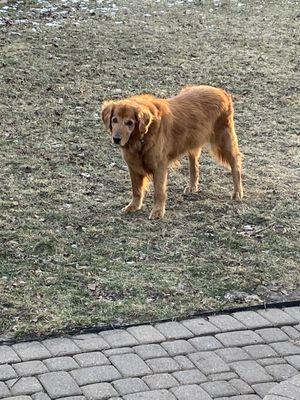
(125, 119)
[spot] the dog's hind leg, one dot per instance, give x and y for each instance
(236, 170)
(224, 146)
(194, 156)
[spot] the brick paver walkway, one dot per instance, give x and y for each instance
(242, 356)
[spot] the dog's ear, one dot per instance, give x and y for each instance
(145, 119)
(106, 113)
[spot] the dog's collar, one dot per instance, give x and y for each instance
(142, 141)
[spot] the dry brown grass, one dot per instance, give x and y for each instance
(68, 257)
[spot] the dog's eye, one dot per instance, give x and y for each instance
(114, 120)
(129, 123)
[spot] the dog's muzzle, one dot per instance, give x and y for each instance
(117, 139)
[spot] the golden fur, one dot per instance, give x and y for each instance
(154, 132)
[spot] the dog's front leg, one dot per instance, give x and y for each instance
(139, 186)
(160, 192)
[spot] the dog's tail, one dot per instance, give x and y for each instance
(223, 142)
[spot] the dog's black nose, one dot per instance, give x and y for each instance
(117, 139)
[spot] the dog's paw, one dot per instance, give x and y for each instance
(157, 213)
(190, 189)
(237, 195)
(130, 208)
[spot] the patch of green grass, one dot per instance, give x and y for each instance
(68, 257)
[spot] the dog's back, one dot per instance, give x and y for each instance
(207, 99)
(195, 111)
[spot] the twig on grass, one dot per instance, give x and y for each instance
(262, 229)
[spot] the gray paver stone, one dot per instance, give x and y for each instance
(18, 398)
(226, 323)
(40, 396)
(146, 334)
(260, 351)
(293, 312)
(286, 389)
(160, 381)
(130, 385)
(4, 392)
(117, 351)
(174, 330)
(189, 392)
(151, 395)
(243, 397)
(146, 351)
(184, 362)
(239, 338)
(233, 354)
(205, 343)
(7, 355)
(28, 351)
(219, 388)
(178, 347)
(209, 363)
(119, 338)
(61, 346)
(28, 368)
(271, 335)
(91, 359)
(294, 361)
(281, 372)
(90, 342)
(251, 372)
(130, 365)
(291, 332)
(262, 389)
(252, 320)
(200, 326)
(286, 348)
(24, 386)
(277, 317)
(241, 386)
(101, 373)
(163, 364)
(222, 376)
(7, 372)
(99, 391)
(270, 361)
(295, 380)
(61, 364)
(59, 384)
(73, 398)
(190, 377)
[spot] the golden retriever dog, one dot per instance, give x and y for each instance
(152, 133)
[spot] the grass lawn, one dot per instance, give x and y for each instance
(68, 257)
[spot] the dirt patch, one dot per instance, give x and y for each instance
(68, 257)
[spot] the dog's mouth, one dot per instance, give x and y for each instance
(117, 145)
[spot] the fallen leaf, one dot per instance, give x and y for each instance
(92, 286)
